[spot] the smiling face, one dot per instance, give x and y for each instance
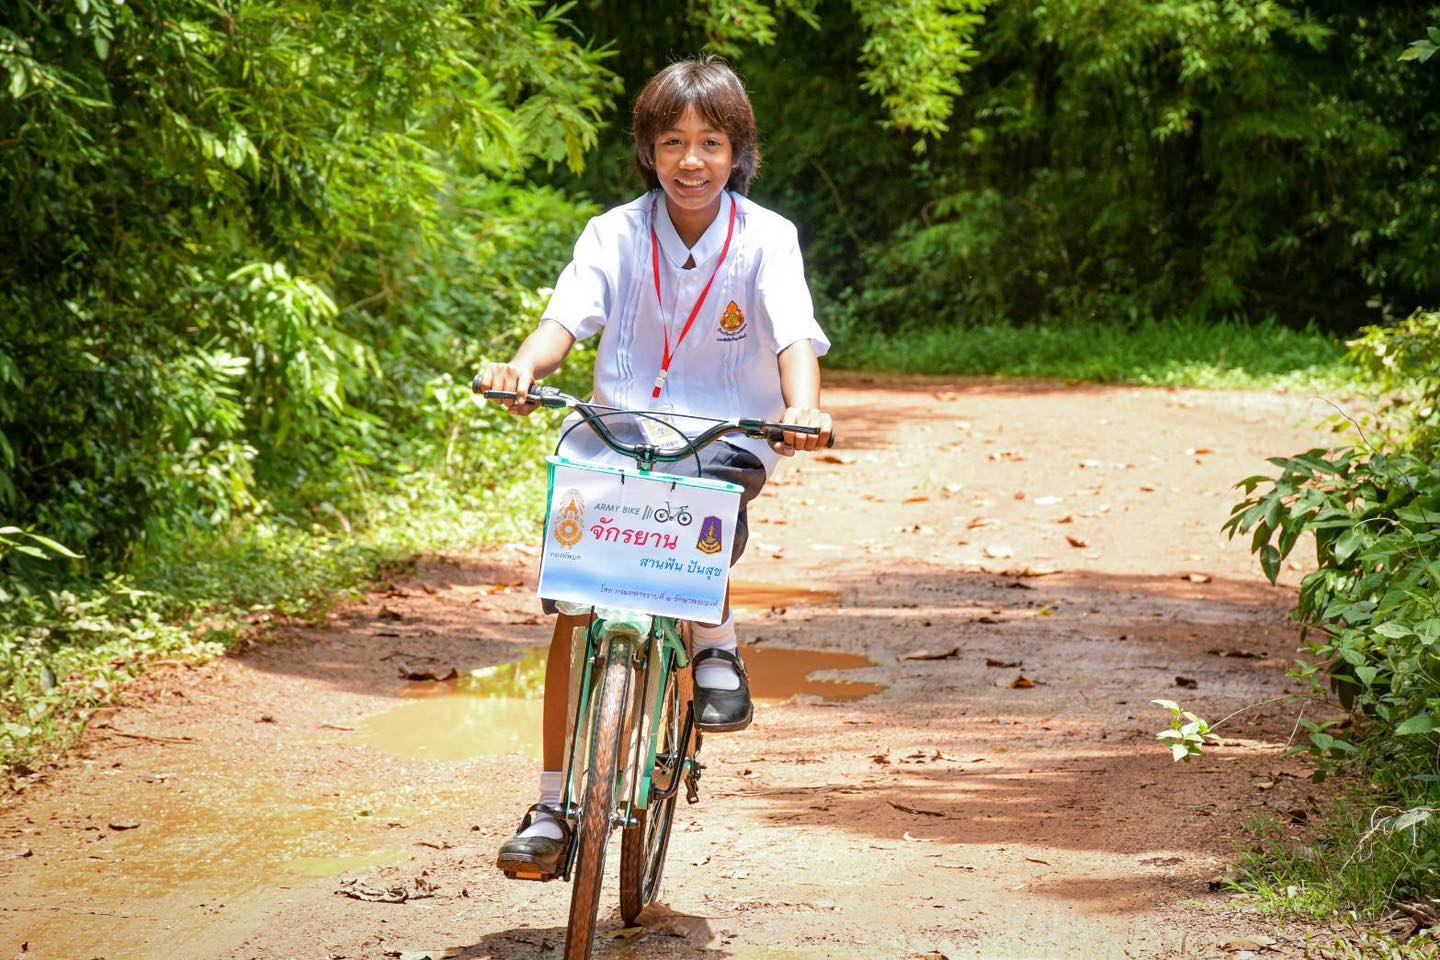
(693, 161)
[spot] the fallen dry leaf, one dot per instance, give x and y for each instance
(1021, 682)
(917, 500)
(124, 824)
(418, 671)
(931, 654)
(387, 614)
(1198, 451)
(911, 839)
(841, 458)
(978, 522)
(1255, 941)
(999, 551)
(1037, 860)
(1188, 683)
(1076, 542)
(1197, 577)
(626, 933)
(1004, 664)
(916, 810)
(1068, 518)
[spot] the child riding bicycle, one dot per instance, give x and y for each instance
(699, 296)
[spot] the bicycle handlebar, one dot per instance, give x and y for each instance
(553, 398)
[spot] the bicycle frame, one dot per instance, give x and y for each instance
(661, 652)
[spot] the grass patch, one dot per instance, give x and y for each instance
(1356, 864)
(1175, 353)
(69, 645)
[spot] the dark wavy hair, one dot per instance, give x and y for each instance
(712, 88)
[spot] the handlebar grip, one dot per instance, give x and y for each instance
(776, 435)
(541, 395)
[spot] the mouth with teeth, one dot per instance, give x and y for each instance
(691, 186)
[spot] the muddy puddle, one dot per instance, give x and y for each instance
(749, 595)
(496, 711)
(205, 836)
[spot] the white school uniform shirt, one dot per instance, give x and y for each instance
(728, 364)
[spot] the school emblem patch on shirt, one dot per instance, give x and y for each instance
(732, 322)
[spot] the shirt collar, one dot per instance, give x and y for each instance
(711, 242)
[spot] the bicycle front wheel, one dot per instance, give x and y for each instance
(644, 844)
(596, 817)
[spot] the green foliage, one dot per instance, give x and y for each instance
(1371, 611)
(1177, 353)
(67, 646)
(241, 243)
(1403, 360)
(1187, 735)
(1371, 605)
(253, 253)
(1423, 50)
(1388, 854)
(1138, 159)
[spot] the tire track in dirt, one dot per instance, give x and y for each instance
(954, 812)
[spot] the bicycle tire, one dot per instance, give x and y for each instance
(643, 846)
(595, 820)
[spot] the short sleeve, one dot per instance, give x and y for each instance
(586, 288)
(784, 295)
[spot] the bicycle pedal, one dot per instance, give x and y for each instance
(692, 784)
(517, 875)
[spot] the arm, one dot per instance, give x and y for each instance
(539, 356)
(800, 385)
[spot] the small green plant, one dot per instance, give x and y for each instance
(1187, 734)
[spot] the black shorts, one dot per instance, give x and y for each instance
(721, 461)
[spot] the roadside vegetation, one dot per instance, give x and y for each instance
(1175, 353)
(1370, 619)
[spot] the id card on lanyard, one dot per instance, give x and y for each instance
(665, 322)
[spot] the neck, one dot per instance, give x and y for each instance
(692, 224)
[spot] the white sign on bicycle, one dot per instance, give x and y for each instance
(656, 543)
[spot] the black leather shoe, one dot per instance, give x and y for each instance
(722, 711)
(535, 858)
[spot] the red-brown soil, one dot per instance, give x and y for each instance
(951, 813)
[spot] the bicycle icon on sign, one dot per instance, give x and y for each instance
(680, 515)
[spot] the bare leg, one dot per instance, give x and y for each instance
(557, 690)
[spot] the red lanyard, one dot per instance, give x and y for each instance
(665, 323)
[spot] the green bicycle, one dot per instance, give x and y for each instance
(632, 741)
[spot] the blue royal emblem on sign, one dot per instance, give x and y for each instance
(711, 538)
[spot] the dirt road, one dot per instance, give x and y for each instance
(880, 808)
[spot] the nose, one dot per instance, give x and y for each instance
(691, 160)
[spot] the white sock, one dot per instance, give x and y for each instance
(540, 825)
(716, 674)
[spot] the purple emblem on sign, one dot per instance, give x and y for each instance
(711, 537)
